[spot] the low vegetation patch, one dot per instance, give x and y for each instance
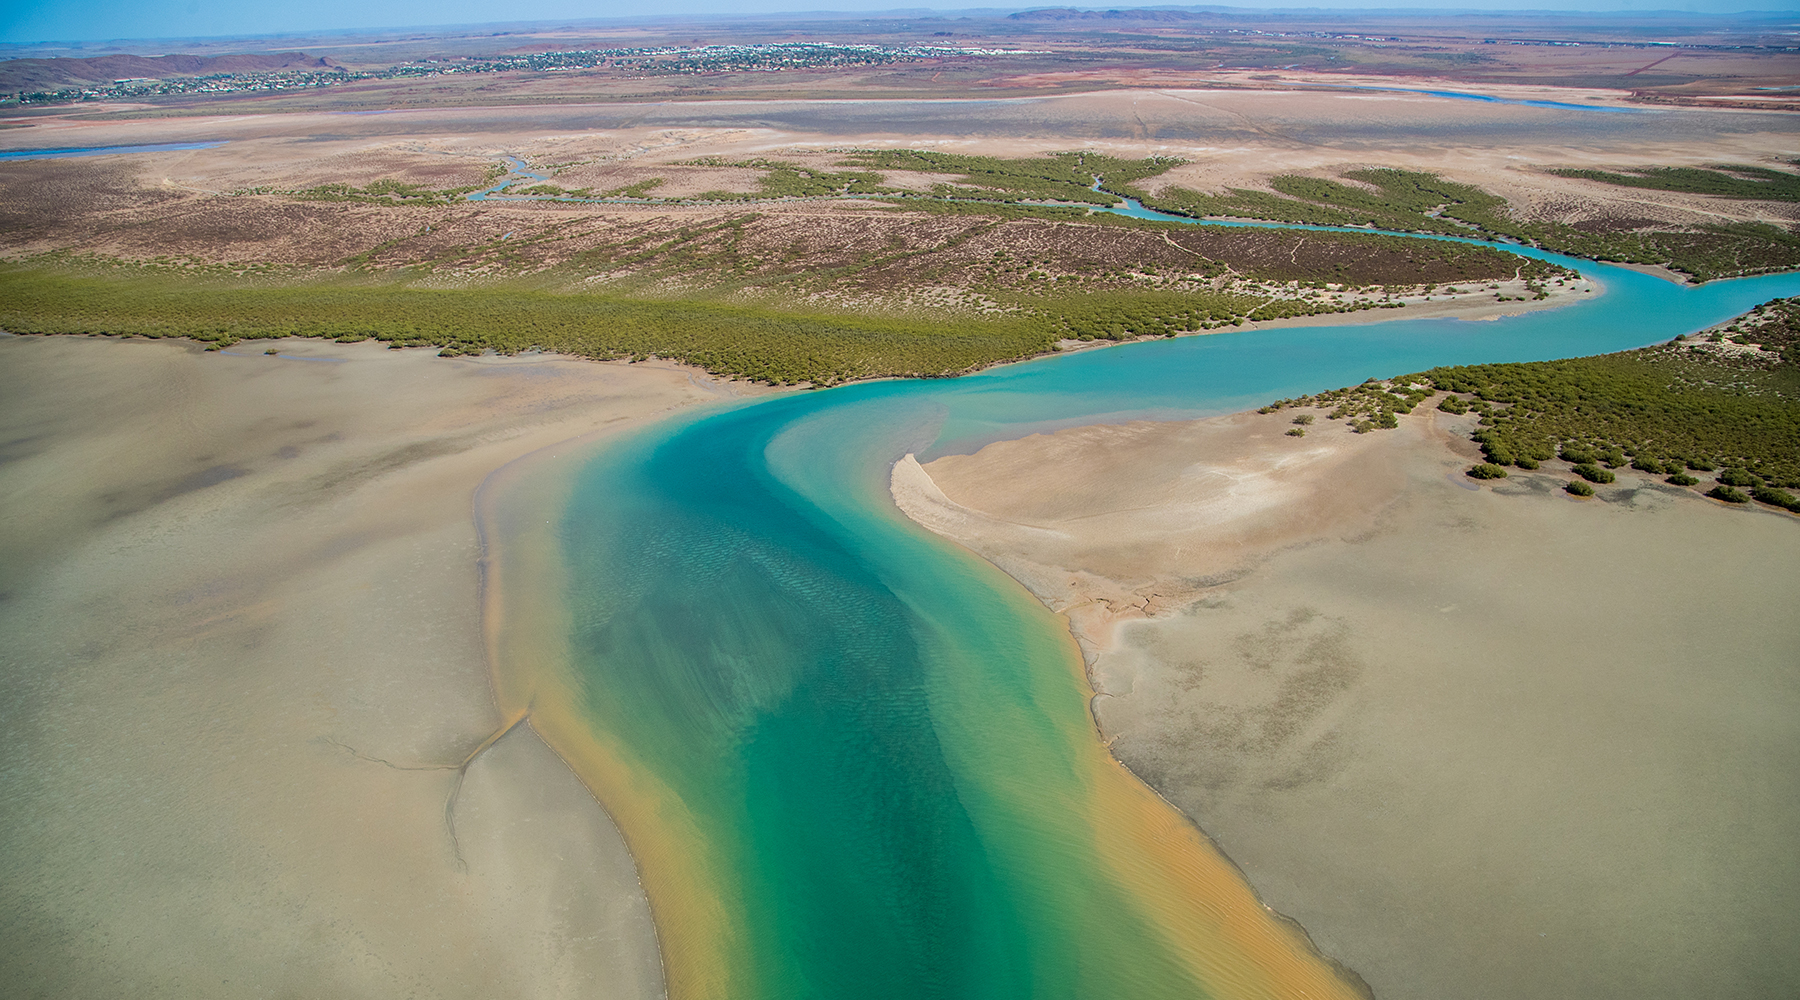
(1412, 201)
(1593, 473)
(778, 339)
(388, 192)
(777, 296)
(1066, 177)
(1660, 409)
(790, 180)
(1735, 181)
(1777, 498)
(1373, 405)
(1687, 405)
(763, 344)
(1773, 327)
(1070, 178)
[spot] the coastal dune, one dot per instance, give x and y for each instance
(1478, 740)
(243, 680)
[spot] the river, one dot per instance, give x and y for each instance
(854, 760)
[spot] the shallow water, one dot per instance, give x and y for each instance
(854, 760)
(75, 151)
(517, 172)
(1183, 116)
(1459, 95)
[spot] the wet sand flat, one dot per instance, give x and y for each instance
(1229, 138)
(1485, 742)
(1368, 121)
(242, 662)
(175, 202)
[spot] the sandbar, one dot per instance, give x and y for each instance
(1478, 740)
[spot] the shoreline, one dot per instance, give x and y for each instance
(516, 690)
(1467, 307)
(1667, 274)
(1470, 307)
(921, 483)
(528, 670)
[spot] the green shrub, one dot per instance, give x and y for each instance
(1777, 498)
(1738, 477)
(1644, 463)
(1578, 488)
(1681, 479)
(767, 343)
(1667, 407)
(1592, 473)
(1756, 182)
(1525, 463)
(1296, 432)
(1486, 471)
(1453, 404)
(1064, 177)
(1727, 494)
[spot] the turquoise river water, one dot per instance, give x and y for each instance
(854, 760)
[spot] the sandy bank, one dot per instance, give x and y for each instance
(1158, 513)
(241, 658)
(1479, 741)
(1467, 305)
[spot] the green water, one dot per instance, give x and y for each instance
(871, 755)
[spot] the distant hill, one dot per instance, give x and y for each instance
(1071, 14)
(53, 74)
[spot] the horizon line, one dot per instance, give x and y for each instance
(897, 13)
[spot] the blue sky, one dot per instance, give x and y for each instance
(87, 20)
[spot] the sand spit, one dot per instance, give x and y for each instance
(241, 659)
(1478, 741)
(1158, 512)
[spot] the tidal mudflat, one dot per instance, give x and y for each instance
(243, 665)
(1479, 741)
